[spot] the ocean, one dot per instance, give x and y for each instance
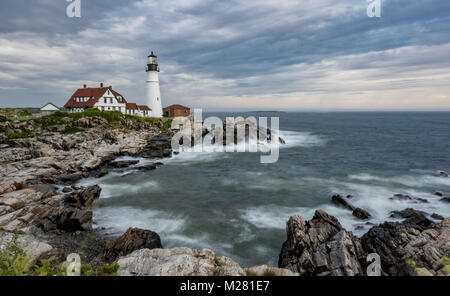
(236, 206)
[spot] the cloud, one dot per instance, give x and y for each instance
(231, 54)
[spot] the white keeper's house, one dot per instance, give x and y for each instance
(105, 99)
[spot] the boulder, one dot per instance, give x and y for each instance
(445, 199)
(437, 216)
(361, 214)
(339, 200)
(34, 249)
(133, 239)
(404, 197)
(177, 262)
(84, 198)
(321, 247)
(52, 255)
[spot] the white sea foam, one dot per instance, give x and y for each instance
(292, 139)
(273, 216)
(411, 181)
(119, 219)
(301, 139)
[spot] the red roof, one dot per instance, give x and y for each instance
(177, 106)
(131, 106)
(144, 107)
(93, 93)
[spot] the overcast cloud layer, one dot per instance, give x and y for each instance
(231, 55)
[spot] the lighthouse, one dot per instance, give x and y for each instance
(153, 92)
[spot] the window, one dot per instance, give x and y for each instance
(105, 100)
(111, 100)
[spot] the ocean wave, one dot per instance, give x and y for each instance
(411, 181)
(208, 154)
(119, 219)
(273, 216)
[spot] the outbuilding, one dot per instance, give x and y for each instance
(177, 111)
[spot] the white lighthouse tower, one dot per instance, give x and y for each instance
(153, 92)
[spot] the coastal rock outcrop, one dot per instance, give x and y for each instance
(177, 262)
(411, 247)
(133, 239)
(39, 206)
(321, 247)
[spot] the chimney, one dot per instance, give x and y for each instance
(110, 87)
(84, 85)
(101, 84)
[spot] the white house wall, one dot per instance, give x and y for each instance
(111, 104)
(49, 107)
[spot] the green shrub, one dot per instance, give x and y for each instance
(24, 113)
(250, 273)
(13, 261)
(20, 135)
(3, 118)
(167, 125)
(269, 273)
(71, 130)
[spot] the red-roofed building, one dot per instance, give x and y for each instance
(176, 111)
(102, 98)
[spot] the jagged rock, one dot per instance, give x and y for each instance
(265, 270)
(404, 197)
(67, 189)
(437, 216)
(122, 164)
(177, 262)
(413, 218)
(158, 147)
(399, 244)
(361, 214)
(52, 255)
(10, 184)
(339, 200)
(148, 167)
(84, 198)
(320, 247)
(19, 198)
(133, 239)
(445, 199)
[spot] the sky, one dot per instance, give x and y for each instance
(218, 55)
